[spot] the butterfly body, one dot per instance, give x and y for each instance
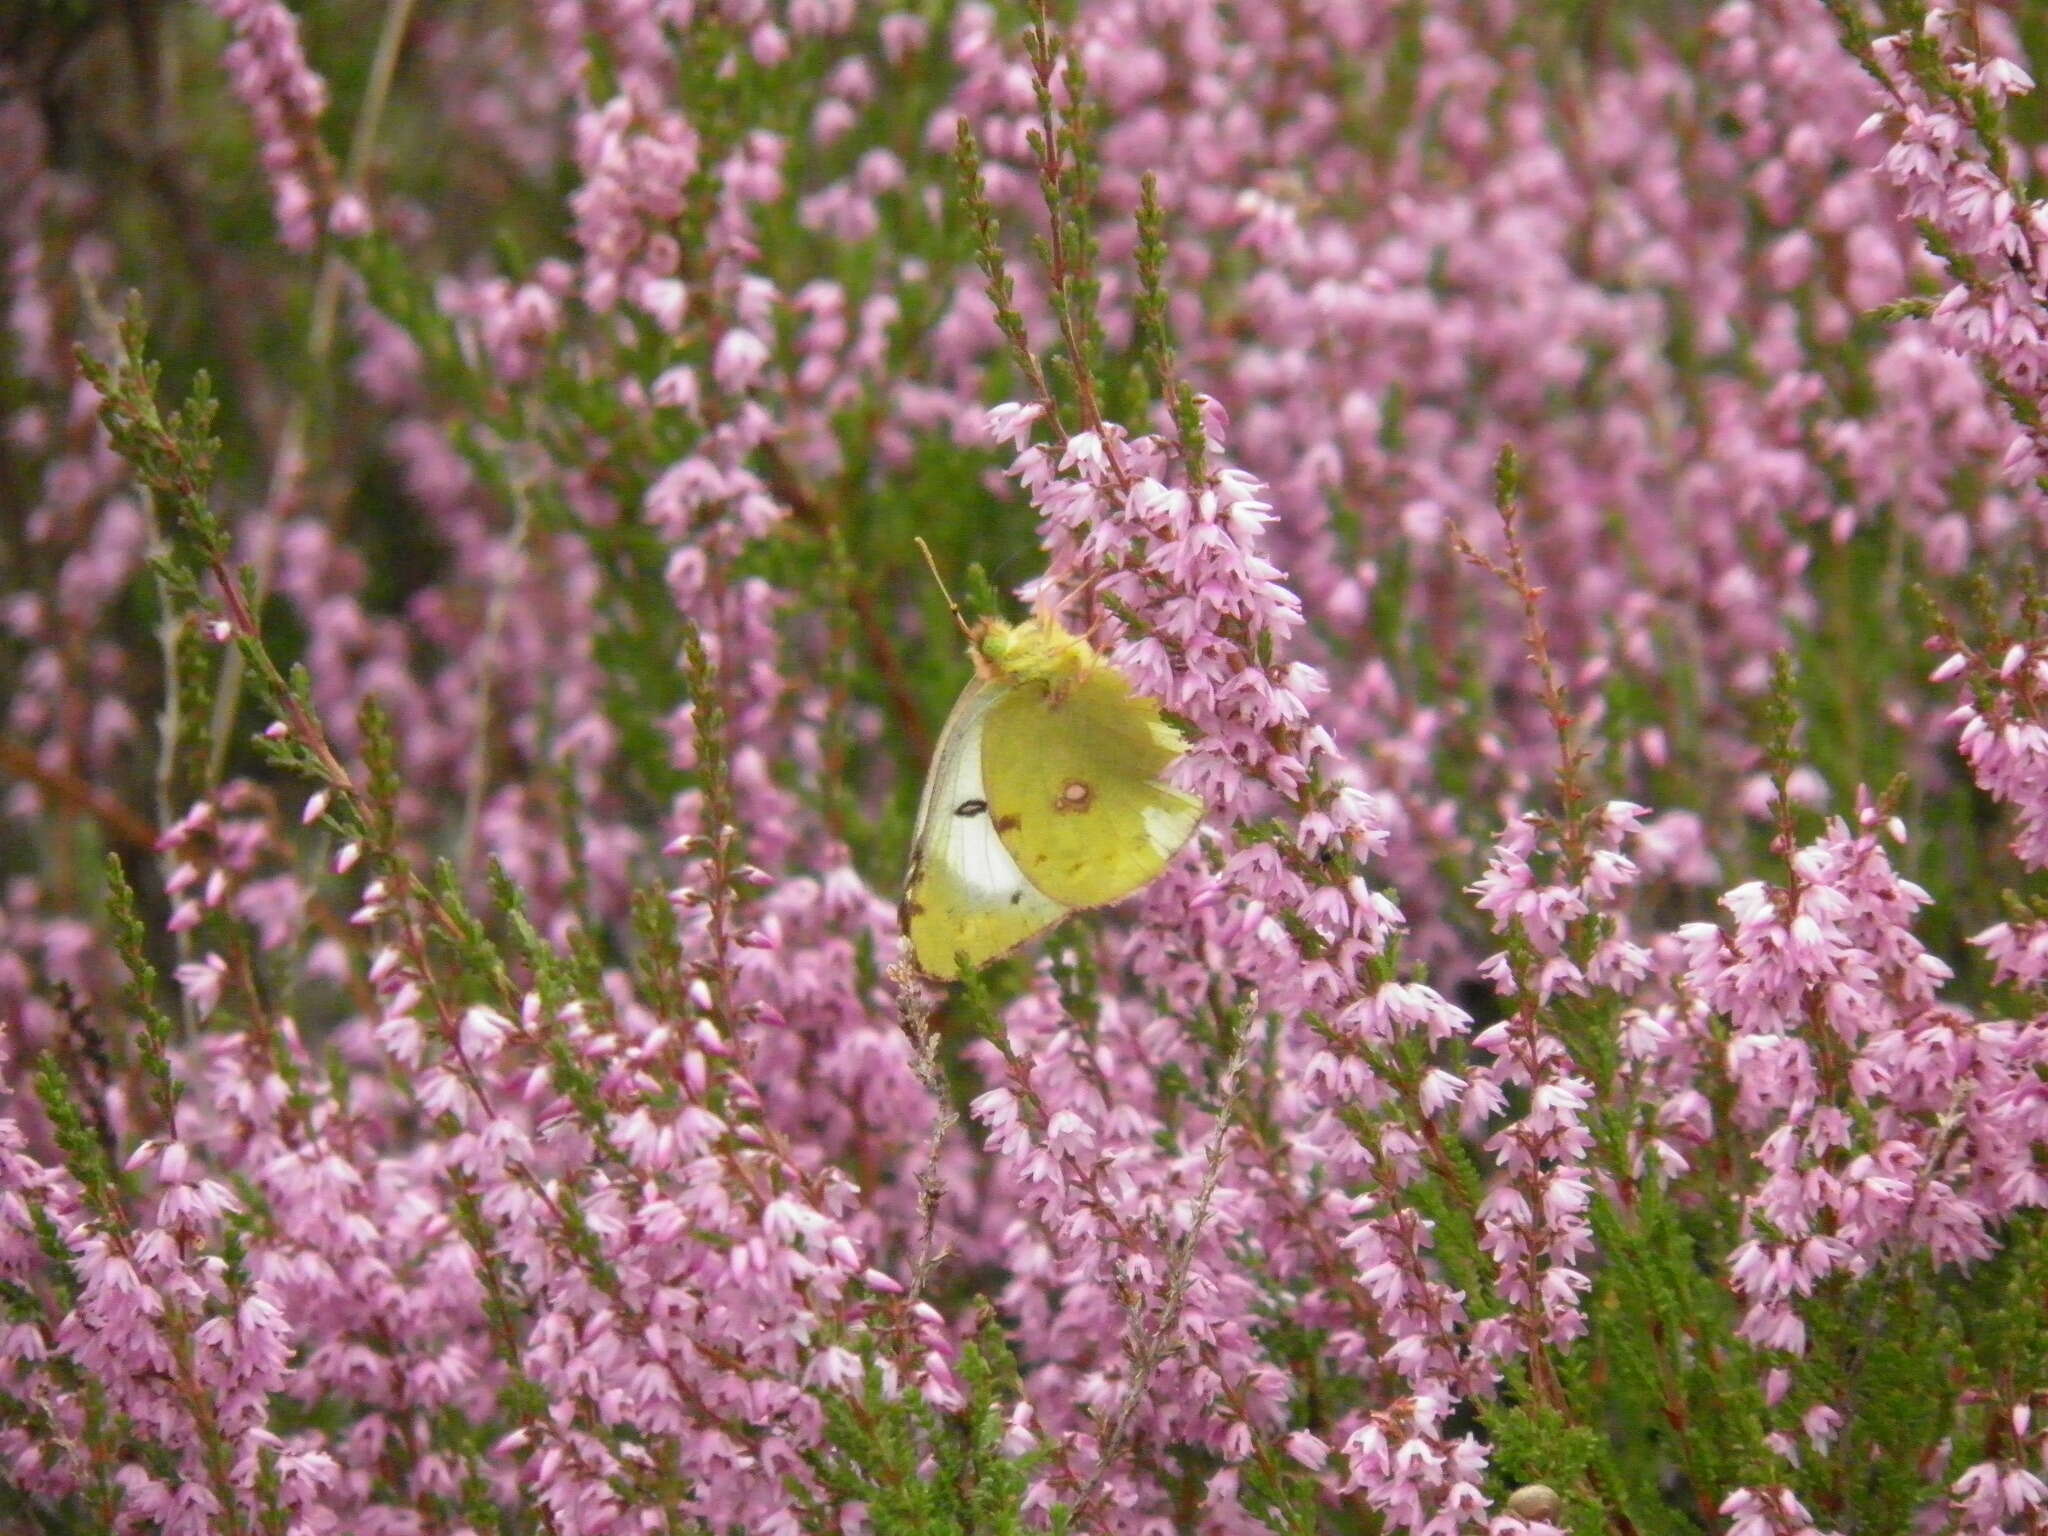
(1044, 797)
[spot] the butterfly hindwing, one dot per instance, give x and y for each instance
(965, 893)
(1071, 775)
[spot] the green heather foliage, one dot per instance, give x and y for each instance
(1576, 476)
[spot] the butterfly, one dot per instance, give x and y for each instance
(1044, 797)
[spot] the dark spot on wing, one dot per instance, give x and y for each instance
(971, 808)
(1008, 823)
(1015, 897)
(911, 909)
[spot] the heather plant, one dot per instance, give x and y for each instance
(1574, 475)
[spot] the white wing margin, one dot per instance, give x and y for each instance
(964, 891)
(953, 836)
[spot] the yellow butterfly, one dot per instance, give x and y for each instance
(1043, 798)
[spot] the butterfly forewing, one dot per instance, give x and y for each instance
(1073, 781)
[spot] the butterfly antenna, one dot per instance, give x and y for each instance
(933, 566)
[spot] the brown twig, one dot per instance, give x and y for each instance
(823, 521)
(124, 823)
(1514, 575)
(1157, 1334)
(914, 1006)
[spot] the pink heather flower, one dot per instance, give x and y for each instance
(1953, 173)
(1544, 889)
(202, 981)
(1828, 993)
(1995, 1496)
(636, 162)
(2006, 747)
(1307, 1449)
(739, 360)
(1768, 1512)
(285, 99)
(1821, 1424)
(2018, 951)
(513, 323)
(1407, 1471)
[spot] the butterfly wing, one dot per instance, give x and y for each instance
(964, 894)
(1072, 776)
